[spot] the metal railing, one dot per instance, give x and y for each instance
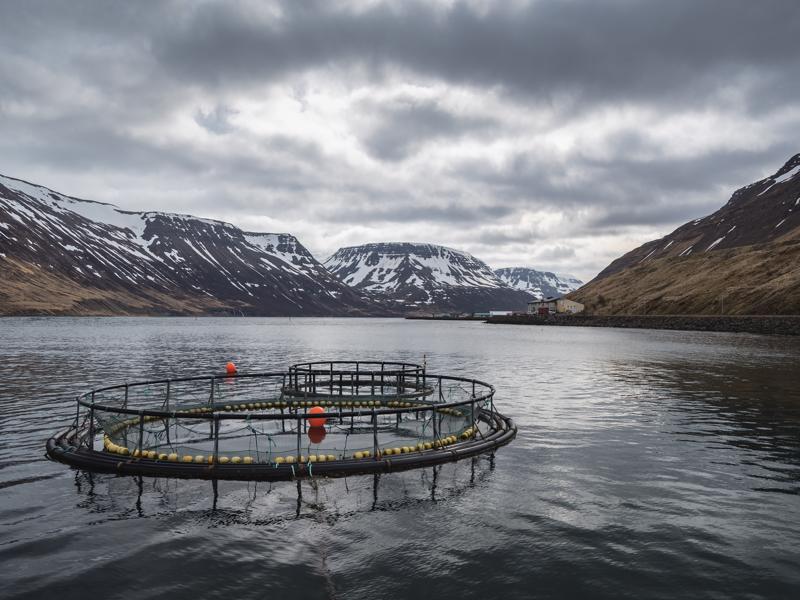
(389, 389)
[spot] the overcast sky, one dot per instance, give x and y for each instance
(550, 134)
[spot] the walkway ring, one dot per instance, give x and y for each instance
(189, 427)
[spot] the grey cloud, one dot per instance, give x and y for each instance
(400, 208)
(590, 51)
(497, 236)
(86, 83)
(622, 187)
(405, 126)
(216, 120)
(88, 145)
(551, 253)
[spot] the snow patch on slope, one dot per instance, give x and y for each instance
(539, 284)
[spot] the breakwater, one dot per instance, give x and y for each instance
(769, 325)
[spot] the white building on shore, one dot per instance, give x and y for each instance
(554, 305)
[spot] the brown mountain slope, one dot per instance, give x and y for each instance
(761, 212)
(743, 259)
(64, 255)
(751, 280)
(29, 289)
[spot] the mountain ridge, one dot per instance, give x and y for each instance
(539, 284)
(742, 259)
(756, 213)
(415, 276)
(108, 260)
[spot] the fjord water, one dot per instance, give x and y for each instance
(649, 464)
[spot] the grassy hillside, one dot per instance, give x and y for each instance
(31, 290)
(749, 280)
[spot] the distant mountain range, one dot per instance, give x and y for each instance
(742, 259)
(540, 284)
(424, 278)
(65, 255)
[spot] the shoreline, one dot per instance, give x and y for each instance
(758, 324)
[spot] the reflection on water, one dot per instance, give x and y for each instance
(261, 503)
(648, 464)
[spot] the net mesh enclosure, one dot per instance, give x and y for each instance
(331, 418)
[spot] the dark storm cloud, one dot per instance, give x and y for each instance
(592, 51)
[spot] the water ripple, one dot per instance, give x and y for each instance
(648, 464)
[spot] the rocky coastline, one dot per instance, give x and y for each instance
(758, 324)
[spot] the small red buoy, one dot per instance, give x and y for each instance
(317, 422)
(316, 434)
(230, 369)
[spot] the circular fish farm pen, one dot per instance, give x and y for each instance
(317, 419)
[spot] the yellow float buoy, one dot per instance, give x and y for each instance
(236, 460)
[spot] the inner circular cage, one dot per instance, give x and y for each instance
(371, 410)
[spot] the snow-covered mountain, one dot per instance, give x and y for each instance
(424, 277)
(761, 212)
(66, 255)
(540, 284)
(742, 259)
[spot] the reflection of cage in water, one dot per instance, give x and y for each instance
(378, 416)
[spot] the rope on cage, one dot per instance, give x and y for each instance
(346, 438)
(270, 441)
(269, 446)
(253, 437)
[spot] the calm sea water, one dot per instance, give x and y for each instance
(649, 464)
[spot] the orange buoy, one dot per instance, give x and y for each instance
(230, 369)
(316, 434)
(317, 422)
